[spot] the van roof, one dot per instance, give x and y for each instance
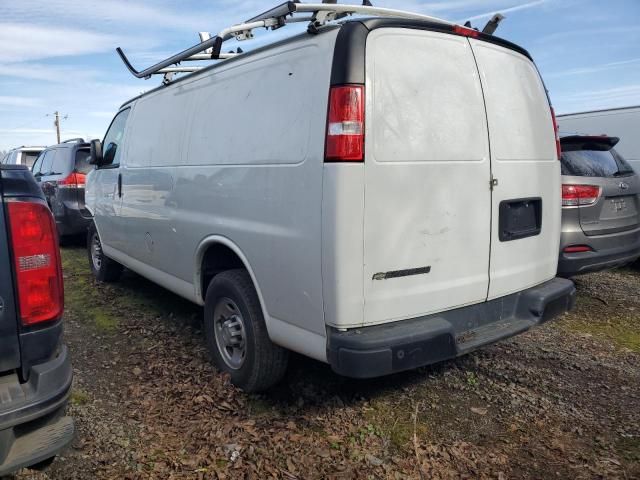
(352, 39)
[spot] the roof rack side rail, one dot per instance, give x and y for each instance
(75, 140)
(215, 43)
(319, 14)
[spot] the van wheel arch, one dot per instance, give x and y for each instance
(216, 255)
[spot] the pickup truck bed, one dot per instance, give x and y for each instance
(35, 370)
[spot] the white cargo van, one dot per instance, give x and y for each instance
(378, 194)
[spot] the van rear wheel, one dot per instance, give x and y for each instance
(236, 334)
(102, 267)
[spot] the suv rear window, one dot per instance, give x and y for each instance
(82, 161)
(593, 163)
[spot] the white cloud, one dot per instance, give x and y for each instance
(513, 8)
(622, 96)
(47, 73)
(593, 69)
(22, 42)
(14, 101)
(102, 114)
(105, 14)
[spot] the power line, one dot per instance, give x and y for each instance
(29, 123)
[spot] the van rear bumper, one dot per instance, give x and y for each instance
(383, 349)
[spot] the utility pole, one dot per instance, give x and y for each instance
(56, 122)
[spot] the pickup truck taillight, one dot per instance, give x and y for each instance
(75, 180)
(37, 265)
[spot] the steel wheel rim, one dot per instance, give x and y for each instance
(230, 333)
(96, 252)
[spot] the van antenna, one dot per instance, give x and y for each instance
(317, 14)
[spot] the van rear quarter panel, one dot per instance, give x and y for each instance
(237, 152)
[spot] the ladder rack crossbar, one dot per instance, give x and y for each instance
(281, 11)
(365, 10)
(317, 14)
(179, 69)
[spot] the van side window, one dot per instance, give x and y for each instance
(60, 165)
(38, 164)
(112, 143)
(47, 162)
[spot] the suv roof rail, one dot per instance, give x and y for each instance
(75, 140)
(26, 146)
(317, 14)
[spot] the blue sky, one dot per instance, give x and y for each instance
(59, 54)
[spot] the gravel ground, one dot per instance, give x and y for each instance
(561, 401)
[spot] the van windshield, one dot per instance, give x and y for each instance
(593, 163)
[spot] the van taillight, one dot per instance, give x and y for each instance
(36, 259)
(345, 124)
(577, 195)
(557, 132)
(465, 31)
(75, 180)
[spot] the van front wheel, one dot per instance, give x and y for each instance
(103, 268)
(237, 336)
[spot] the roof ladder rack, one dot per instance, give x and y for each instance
(317, 14)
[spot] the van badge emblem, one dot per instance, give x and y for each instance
(623, 186)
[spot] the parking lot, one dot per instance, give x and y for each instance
(560, 401)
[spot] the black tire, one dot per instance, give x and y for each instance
(264, 364)
(102, 267)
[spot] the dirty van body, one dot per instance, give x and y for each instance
(380, 195)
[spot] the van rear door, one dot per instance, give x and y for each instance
(526, 198)
(427, 168)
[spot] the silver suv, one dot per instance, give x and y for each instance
(600, 206)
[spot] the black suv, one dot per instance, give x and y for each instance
(61, 170)
(35, 371)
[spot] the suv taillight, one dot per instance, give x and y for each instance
(578, 195)
(37, 264)
(75, 180)
(557, 132)
(345, 124)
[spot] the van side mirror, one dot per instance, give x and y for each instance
(96, 153)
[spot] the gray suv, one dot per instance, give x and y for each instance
(600, 206)
(60, 170)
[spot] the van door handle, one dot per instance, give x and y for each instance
(119, 185)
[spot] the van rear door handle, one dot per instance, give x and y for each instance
(119, 185)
